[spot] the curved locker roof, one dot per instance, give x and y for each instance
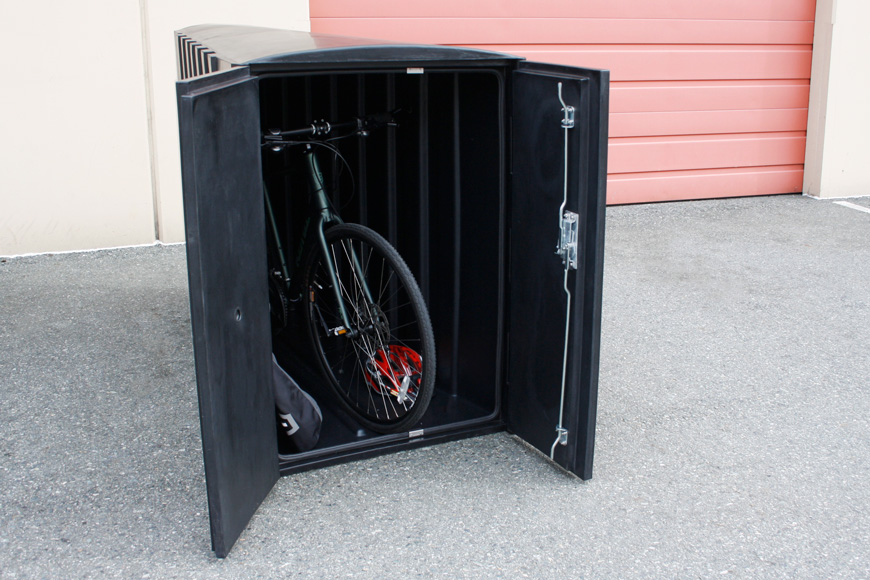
(253, 45)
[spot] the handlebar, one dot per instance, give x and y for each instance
(322, 128)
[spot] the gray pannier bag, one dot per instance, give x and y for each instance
(299, 417)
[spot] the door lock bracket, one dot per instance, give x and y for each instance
(568, 110)
(568, 120)
(568, 239)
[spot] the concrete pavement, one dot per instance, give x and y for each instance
(733, 437)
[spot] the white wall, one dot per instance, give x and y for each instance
(88, 125)
(73, 131)
(163, 19)
(838, 132)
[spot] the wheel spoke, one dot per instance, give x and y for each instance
(368, 363)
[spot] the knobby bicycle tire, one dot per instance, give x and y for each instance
(385, 375)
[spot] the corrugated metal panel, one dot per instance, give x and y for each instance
(708, 99)
(571, 30)
(686, 9)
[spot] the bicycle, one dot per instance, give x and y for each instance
(366, 317)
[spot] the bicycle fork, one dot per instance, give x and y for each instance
(327, 216)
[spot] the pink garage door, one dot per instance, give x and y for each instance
(708, 97)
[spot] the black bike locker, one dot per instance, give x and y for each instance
(492, 188)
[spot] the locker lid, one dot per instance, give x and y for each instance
(213, 47)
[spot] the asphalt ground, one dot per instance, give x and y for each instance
(732, 439)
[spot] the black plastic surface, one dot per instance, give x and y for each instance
(538, 301)
(270, 48)
(226, 255)
(341, 435)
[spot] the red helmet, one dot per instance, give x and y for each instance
(396, 370)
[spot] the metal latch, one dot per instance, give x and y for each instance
(568, 111)
(567, 249)
(568, 239)
(568, 120)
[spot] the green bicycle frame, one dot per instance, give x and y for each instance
(324, 216)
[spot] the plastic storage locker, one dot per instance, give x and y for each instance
(491, 185)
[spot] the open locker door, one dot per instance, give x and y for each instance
(219, 123)
(558, 178)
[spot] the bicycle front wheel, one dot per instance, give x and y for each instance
(382, 364)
